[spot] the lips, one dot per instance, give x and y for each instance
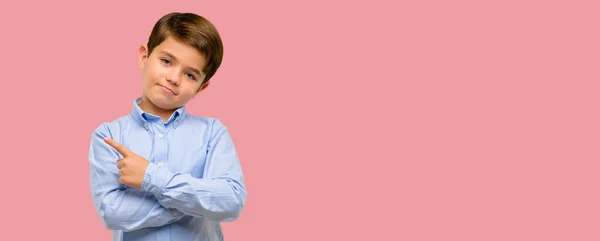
(168, 89)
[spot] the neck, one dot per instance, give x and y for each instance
(150, 108)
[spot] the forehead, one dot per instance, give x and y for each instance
(184, 53)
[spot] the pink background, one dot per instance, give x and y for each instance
(372, 120)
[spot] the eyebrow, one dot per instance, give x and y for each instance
(197, 72)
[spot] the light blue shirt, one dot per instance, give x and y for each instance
(194, 180)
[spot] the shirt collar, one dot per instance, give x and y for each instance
(143, 117)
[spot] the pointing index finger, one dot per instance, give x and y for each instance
(120, 148)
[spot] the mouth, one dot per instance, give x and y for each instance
(166, 89)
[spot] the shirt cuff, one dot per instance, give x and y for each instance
(155, 179)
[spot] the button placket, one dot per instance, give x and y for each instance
(160, 146)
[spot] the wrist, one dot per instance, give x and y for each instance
(155, 178)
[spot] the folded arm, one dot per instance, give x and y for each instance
(121, 207)
(219, 196)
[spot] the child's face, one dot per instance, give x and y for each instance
(172, 74)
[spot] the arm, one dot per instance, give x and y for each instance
(219, 196)
(120, 207)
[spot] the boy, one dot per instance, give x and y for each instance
(160, 173)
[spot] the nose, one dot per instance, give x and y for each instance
(173, 78)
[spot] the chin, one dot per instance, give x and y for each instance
(161, 102)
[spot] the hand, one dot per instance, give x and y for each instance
(131, 167)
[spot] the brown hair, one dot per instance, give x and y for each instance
(193, 30)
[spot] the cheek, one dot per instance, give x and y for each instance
(145, 81)
(150, 77)
(189, 94)
(191, 90)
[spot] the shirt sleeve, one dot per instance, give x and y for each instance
(121, 207)
(219, 196)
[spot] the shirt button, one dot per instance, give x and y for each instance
(160, 164)
(160, 136)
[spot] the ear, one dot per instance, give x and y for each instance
(203, 87)
(142, 55)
